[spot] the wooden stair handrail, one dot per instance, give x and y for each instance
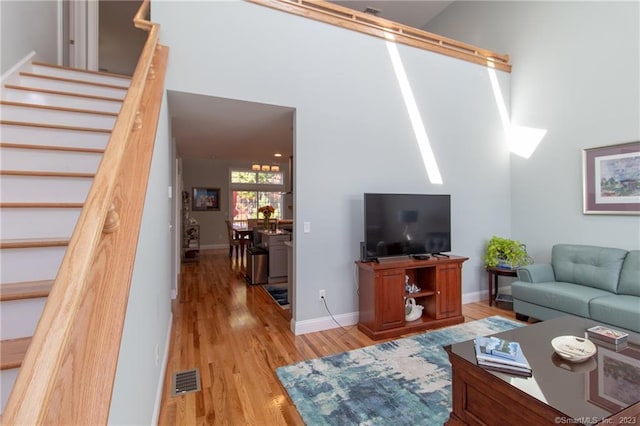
(379, 27)
(37, 396)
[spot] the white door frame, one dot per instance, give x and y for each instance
(83, 34)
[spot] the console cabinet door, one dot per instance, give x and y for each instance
(448, 291)
(391, 300)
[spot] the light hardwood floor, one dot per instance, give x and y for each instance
(237, 336)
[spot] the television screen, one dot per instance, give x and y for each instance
(406, 224)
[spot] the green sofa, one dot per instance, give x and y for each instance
(600, 283)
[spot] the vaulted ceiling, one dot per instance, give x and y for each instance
(233, 130)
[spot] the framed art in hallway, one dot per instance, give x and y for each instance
(206, 199)
(611, 179)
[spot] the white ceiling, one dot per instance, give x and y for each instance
(233, 130)
(229, 129)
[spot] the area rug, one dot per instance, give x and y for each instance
(279, 293)
(404, 381)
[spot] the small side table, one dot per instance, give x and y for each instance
(492, 275)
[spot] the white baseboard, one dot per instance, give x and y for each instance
(349, 319)
(163, 372)
(479, 296)
(323, 323)
(476, 296)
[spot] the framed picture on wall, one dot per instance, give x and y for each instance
(611, 179)
(205, 199)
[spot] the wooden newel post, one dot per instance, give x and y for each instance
(112, 222)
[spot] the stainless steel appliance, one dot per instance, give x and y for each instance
(257, 265)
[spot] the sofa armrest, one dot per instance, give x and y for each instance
(537, 273)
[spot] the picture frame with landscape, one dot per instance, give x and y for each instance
(205, 199)
(611, 179)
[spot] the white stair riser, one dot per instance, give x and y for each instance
(18, 318)
(71, 87)
(7, 379)
(79, 75)
(30, 264)
(44, 189)
(61, 100)
(55, 137)
(63, 118)
(53, 161)
(23, 223)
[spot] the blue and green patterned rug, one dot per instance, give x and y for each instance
(404, 381)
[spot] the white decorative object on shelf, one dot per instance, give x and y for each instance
(412, 310)
(410, 288)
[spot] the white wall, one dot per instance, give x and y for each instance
(140, 375)
(27, 26)
(353, 133)
(576, 68)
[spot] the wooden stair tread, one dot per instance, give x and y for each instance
(57, 108)
(25, 290)
(12, 352)
(54, 126)
(38, 173)
(59, 92)
(51, 147)
(33, 243)
(107, 74)
(40, 205)
(74, 81)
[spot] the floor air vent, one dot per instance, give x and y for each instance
(185, 382)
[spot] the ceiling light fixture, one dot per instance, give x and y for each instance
(265, 167)
(277, 154)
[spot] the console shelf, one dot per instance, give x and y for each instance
(382, 295)
(420, 294)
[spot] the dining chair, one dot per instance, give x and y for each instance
(233, 240)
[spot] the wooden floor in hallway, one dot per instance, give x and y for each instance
(236, 335)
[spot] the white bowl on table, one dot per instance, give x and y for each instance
(573, 348)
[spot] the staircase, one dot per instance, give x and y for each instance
(54, 125)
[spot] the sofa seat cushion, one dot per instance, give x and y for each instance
(566, 297)
(617, 310)
(597, 267)
(630, 274)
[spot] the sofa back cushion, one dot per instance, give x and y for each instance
(597, 267)
(630, 274)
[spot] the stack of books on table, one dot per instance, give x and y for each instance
(608, 337)
(501, 355)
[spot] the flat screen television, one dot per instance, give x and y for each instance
(406, 224)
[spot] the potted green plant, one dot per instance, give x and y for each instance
(505, 253)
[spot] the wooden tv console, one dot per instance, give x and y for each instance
(382, 295)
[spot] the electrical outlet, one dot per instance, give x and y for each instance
(323, 294)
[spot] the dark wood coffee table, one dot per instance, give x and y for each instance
(558, 393)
